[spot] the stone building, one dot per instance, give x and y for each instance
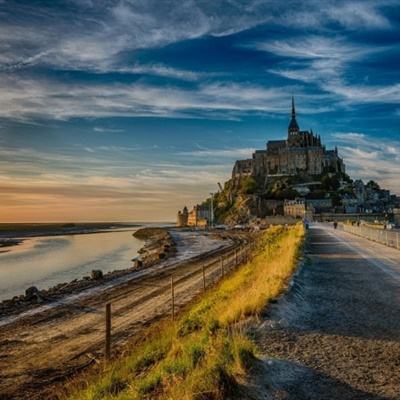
(198, 216)
(302, 153)
(182, 219)
(298, 208)
(396, 216)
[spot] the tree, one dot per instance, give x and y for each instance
(373, 185)
(248, 185)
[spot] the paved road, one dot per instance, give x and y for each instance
(336, 334)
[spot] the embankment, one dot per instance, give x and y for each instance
(205, 353)
(158, 245)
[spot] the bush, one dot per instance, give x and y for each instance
(248, 185)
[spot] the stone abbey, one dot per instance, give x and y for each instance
(295, 177)
(302, 153)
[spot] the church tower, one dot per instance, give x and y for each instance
(293, 128)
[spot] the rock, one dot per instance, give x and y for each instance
(96, 274)
(161, 256)
(137, 263)
(32, 293)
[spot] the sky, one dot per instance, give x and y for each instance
(128, 110)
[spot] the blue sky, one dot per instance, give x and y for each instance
(130, 109)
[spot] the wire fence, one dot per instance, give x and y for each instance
(201, 279)
(384, 236)
(98, 328)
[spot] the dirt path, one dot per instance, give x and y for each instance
(40, 349)
(336, 334)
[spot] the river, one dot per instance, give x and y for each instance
(48, 260)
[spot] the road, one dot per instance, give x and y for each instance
(336, 334)
(44, 347)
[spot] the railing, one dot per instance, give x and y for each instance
(384, 236)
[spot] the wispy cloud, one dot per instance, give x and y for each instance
(103, 129)
(325, 62)
(245, 152)
(161, 70)
(64, 186)
(102, 61)
(370, 158)
(93, 37)
(24, 99)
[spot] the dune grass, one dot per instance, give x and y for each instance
(201, 355)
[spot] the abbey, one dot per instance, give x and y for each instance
(302, 153)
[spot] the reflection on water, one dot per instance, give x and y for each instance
(48, 260)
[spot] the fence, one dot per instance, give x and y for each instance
(384, 236)
(204, 277)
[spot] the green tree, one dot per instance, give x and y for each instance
(248, 185)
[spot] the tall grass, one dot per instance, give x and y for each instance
(203, 354)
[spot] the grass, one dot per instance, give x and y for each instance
(204, 353)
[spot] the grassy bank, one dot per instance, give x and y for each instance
(204, 352)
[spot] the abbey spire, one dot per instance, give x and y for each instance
(293, 126)
(293, 109)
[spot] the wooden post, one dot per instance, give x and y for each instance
(236, 257)
(204, 278)
(108, 332)
(173, 297)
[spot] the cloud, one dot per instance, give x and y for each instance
(30, 99)
(325, 62)
(314, 47)
(369, 158)
(245, 152)
(103, 129)
(350, 136)
(366, 94)
(64, 185)
(352, 14)
(96, 36)
(161, 70)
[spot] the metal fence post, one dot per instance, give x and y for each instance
(108, 332)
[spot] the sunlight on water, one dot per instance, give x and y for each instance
(48, 260)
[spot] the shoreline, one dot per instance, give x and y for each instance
(28, 231)
(5, 243)
(158, 246)
(67, 335)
